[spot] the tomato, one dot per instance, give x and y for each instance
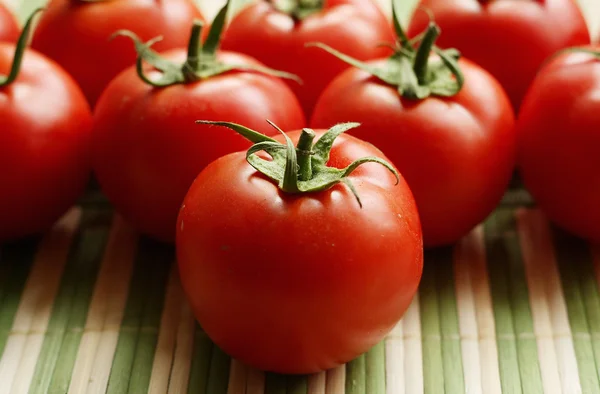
(147, 147)
(509, 38)
(9, 28)
(44, 143)
(447, 125)
(558, 140)
(299, 282)
(76, 34)
(278, 40)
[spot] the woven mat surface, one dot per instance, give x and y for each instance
(91, 307)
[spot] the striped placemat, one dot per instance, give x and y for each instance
(92, 307)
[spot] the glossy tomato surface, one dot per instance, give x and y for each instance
(148, 148)
(457, 154)
(45, 126)
(77, 35)
(298, 283)
(509, 38)
(355, 27)
(559, 137)
(9, 28)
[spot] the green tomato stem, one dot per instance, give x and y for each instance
(192, 62)
(304, 152)
(298, 9)
(424, 52)
(19, 51)
(201, 62)
(285, 159)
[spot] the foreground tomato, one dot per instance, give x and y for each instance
(446, 124)
(276, 32)
(559, 138)
(44, 141)
(147, 147)
(76, 33)
(509, 38)
(9, 29)
(284, 268)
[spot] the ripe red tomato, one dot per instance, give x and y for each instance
(44, 142)
(558, 141)
(509, 38)
(76, 34)
(454, 142)
(148, 148)
(278, 40)
(9, 29)
(298, 283)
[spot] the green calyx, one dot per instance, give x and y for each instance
(411, 68)
(298, 9)
(19, 51)
(201, 62)
(302, 168)
(590, 51)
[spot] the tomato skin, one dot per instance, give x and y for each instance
(457, 154)
(355, 27)
(515, 33)
(9, 28)
(44, 145)
(77, 35)
(148, 148)
(286, 283)
(558, 142)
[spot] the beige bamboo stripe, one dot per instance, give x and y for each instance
(317, 383)
(537, 259)
(99, 341)
(167, 335)
(255, 381)
(488, 346)
(237, 378)
(465, 252)
(35, 308)
(336, 380)
(413, 354)
(541, 267)
(180, 373)
(394, 361)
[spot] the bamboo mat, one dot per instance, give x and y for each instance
(92, 307)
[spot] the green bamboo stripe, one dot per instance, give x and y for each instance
(218, 374)
(451, 351)
(16, 260)
(531, 378)
(275, 384)
(147, 286)
(583, 305)
(517, 347)
(200, 362)
(297, 384)
(356, 375)
(375, 360)
(433, 364)
(366, 373)
(442, 358)
(162, 258)
(65, 328)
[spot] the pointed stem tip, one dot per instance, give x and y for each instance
(424, 51)
(192, 62)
